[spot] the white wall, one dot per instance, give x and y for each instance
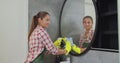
(118, 5)
(13, 30)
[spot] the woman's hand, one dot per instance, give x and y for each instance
(57, 43)
(67, 46)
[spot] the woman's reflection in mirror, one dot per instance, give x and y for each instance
(86, 37)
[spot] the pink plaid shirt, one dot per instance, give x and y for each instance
(38, 40)
(88, 39)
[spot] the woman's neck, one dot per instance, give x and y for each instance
(87, 30)
(40, 26)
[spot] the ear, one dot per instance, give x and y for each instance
(39, 19)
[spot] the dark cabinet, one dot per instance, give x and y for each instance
(107, 25)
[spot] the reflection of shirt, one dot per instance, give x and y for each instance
(84, 39)
(39, 40)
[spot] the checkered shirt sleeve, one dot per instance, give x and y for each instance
(48, 43)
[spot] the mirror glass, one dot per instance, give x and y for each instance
(78, 21)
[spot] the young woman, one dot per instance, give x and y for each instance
(87, 36)
(39, 40)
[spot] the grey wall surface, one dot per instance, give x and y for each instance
(53, 7)
(96, 57)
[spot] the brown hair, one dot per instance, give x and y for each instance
(41, 15)
(88, 17)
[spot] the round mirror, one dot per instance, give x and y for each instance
(78, 20)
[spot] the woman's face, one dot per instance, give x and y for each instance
(44, 22)
(87, 23)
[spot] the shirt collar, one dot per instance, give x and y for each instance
(90, 31)
(40, 27)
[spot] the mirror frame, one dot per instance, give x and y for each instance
(89, 47)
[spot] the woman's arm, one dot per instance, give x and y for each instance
(48, 43)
